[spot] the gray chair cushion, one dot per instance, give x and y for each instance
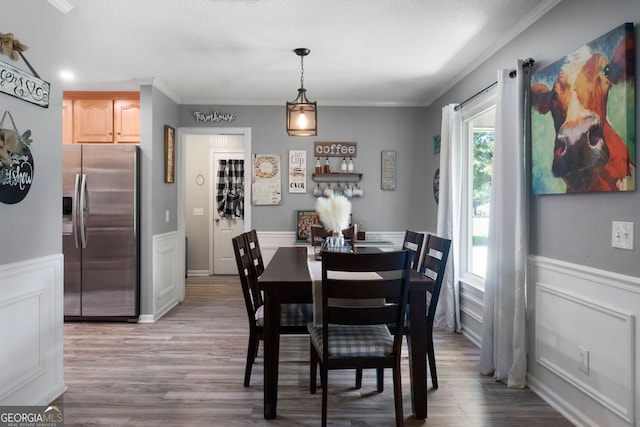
(354, 341)
(290, 314)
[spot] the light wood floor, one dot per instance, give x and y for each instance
(187, 370)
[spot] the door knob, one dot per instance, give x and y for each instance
(217, 220)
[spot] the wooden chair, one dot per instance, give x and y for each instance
(319, 233)
(357, 336)
(413, 242)
(294, 317)
(434, 262)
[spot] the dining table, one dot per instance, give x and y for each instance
(287, 280)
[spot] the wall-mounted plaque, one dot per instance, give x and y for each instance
(388, 170)
(335, 149)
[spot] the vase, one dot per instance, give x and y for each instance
(336, 242)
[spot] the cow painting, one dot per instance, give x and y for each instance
(583, 118)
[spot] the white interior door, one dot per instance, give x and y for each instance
(222, 230)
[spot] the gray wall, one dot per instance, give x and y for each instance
(32, 227)
(156, 110)
(374, 129)
(574, 228)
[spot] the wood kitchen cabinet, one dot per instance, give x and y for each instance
(102, 117)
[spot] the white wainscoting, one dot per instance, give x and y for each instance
(31, 331)
(582, 307)
(471, 306)
(168, 274)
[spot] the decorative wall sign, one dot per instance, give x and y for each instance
(213, 117)
(305, 218)
(388, 170)
(297, 171)
(335, 149)
(169, 154)
(436, 144)
(14, 81)
(266, 184)
(16, 163)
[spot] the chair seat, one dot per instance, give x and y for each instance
(290, 314)
(354, 340)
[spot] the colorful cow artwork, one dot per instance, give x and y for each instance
(583, 118)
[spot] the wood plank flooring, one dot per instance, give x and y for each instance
(187, 370)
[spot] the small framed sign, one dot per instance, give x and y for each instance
(388, 170)
(305, 218)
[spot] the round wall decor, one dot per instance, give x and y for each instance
(436, 185)
(16, 163)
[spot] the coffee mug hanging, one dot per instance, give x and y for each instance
(16, 162)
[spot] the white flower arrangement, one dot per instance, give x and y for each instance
(334, 212)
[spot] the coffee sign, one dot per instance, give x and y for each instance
(334, 149)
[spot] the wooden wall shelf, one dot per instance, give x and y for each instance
(336, 177)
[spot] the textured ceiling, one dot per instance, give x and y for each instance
(363, 52)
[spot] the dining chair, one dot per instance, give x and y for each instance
(293, 319)
(413, 242)
(434, 262)
(319, 233)
(354, 335)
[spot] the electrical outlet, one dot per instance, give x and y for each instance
(166, 216)
(622, 235)
(583, 360)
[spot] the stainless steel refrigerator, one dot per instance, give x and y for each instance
(100, 232)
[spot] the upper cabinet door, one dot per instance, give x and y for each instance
(67, 121)
(127, 121)
(93, 120)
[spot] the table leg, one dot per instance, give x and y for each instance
(271, 336)
(416, 340)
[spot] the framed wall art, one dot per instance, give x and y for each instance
(169, 154)
(297, 171)
(266, 180)
(388, 170)
(583, 118)
(305, 218)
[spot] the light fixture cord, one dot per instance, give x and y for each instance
(301, 72)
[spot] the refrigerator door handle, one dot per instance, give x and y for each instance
(84, 210)
(75, 215)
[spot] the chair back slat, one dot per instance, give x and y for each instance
(255, 252)
(413, 242)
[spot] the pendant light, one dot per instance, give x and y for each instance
(302, 115)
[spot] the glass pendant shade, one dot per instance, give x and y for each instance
(302, 116)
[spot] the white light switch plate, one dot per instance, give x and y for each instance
(198, 211)
(622, 235)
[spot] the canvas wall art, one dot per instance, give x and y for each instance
(583, 118)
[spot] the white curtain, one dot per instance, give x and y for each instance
(447, 315)
(503, 351)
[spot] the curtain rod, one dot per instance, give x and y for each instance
(527, 63)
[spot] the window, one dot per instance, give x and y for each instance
(478, 131)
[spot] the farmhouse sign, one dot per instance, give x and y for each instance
(334, 149)
(213, 117)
